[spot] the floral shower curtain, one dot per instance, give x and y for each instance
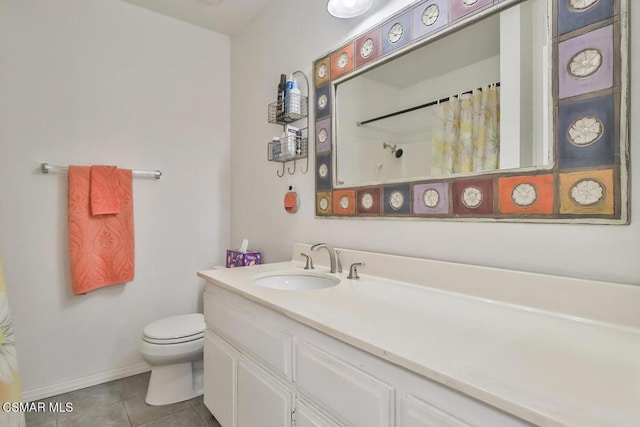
(10, 390)
(466, 133)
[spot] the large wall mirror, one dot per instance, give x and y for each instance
(466, 109)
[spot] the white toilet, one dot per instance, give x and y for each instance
(173, 347)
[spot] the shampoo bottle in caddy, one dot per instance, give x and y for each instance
(287, 94)
(294, 98)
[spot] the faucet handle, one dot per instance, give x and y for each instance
(338, 263)
(353, 270)
(309, 264)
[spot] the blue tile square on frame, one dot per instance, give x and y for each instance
(324, 176)
(571, 18)
(586, 133)
(396, 32)
(396, 200)
(323, 101)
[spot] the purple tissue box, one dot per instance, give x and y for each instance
(241, 259)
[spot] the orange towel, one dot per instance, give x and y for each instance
(101, 247)
(105, 190)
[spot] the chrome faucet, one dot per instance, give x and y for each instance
(334, 259)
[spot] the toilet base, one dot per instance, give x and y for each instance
(174, 383)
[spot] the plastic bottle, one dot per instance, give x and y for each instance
(294, 98)
(287, 145)
(287, 93)
(281, 96)
(276, 148)
(298, 143)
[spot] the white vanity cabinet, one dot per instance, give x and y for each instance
(421, 343)
(265, 369)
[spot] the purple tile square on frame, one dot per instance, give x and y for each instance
(323, 135)
(600, 40)
(420, 28)
(457, 8)
(431, 199)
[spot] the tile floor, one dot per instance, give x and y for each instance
(121, 403)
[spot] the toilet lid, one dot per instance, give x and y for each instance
(176, 327)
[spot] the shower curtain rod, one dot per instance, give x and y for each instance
(417, 107)
(46, 168)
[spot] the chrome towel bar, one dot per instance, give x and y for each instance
(46, 168)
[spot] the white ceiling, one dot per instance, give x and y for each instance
(223, 16)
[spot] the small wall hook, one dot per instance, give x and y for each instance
(294, 168)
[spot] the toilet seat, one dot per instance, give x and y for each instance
(175, 329)
(173, 340)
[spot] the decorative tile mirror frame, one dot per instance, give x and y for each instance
(584, 184)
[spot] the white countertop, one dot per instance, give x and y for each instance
(545, 368)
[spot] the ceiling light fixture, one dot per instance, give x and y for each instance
(348, 8)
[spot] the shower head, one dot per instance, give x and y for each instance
(394, 149)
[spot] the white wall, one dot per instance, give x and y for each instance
(524, 70)
(269, 48)
(361, 147)
(104, 82)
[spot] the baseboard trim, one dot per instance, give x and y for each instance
(77, 384)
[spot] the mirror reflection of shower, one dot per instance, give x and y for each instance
(394, 149)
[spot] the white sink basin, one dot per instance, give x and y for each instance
(296, 281)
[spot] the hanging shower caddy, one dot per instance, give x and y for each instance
(295, 145)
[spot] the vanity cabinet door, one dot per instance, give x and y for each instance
(261, 399)
(416, 413)
(347, 393)
(220, 362)
(309, 416)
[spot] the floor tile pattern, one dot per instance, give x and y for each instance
(121, 403)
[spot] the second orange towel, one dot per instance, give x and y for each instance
(105, 190)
